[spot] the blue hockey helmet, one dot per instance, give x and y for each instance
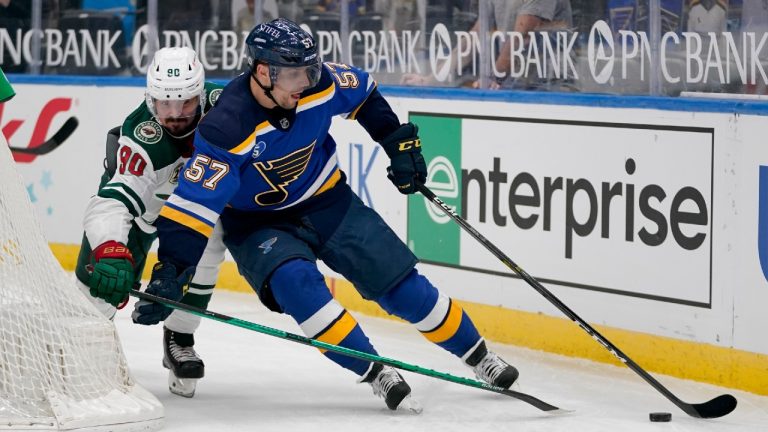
(283, 44)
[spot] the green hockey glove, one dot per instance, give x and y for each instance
(112, 276)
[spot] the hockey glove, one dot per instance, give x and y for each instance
(407, 166)
(112, 274)
(167, 284)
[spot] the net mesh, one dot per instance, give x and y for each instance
(61, 362)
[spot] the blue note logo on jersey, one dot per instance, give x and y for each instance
(279, 173)
(762, 220)
(267, 245)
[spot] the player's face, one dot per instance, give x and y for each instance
(178, 116)
(292, 81)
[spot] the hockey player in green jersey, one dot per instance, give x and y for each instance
(142, 164)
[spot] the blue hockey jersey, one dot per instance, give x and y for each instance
(254, 159)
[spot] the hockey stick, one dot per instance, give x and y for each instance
(551, 409)
(51, 144)
(717, 407)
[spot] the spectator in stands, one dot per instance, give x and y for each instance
(125, 9)
(521, 16)
(707, 16)
(178, 15)
(754, 19)
(15, 15)
(356, 7)
(408, 14)
(16, 9)
(18, 13)
(400, 15)
(244, 18)
(532, 16)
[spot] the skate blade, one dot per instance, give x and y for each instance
(184, 387)
(410, 404)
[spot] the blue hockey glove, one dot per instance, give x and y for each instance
(164, 283)
(407, 167)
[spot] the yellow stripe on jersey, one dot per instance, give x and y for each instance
(187, 220)
(338, 331)
(251, 138)
(331, 182)
(448, 328)
(354, 113)
(313, 97)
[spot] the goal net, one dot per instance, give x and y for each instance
(61, 363)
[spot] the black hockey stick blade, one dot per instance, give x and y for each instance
(717, 407)
(51, 144)
(292, 337)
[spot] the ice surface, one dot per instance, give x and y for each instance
(257, 382)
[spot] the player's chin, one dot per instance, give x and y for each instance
(292, 101)
(178, 127)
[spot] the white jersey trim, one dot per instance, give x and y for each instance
(136, 206)
(317, 102)
(436, 315)
(322, 318)
(197, 209)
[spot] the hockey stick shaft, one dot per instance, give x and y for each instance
(347, 351)
(51, 144)
(717, 407)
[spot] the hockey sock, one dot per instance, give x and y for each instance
(197, 296)
(299, 288)
(434, 314)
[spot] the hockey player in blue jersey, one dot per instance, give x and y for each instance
(266, 167)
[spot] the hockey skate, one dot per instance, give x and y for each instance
(183, 364)
(388, 384)
(491, 368)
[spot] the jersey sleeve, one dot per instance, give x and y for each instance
(208, 181)
(352, 86)
(109, 213)
(212, 93)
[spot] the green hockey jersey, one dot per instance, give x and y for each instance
(148, 161)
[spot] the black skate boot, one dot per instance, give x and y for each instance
(489, 367)
(390, 385)
(183, 363)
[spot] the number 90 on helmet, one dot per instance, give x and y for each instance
(175, 92)
(288, 50)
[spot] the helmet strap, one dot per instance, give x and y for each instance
(267, 90)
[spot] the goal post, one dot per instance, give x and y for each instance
(61, 362)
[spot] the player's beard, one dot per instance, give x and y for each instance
(179, 127)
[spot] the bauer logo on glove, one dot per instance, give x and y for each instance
(111, 272)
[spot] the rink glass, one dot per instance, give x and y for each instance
(640, 47)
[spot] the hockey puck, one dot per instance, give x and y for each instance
(660, 416)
